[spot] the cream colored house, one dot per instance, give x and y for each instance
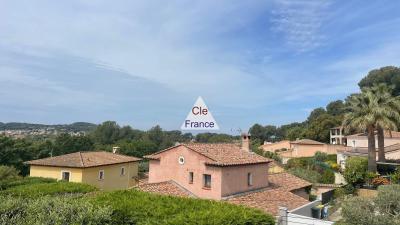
(105, 170)
(300, 148)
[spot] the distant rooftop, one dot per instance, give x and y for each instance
(84, 160)
(306, 142)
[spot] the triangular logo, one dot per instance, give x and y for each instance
(199, 118)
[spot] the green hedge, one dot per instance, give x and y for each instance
(9, 183)
(308, 175)
(41, 189)
(51, 211)
(135, 207)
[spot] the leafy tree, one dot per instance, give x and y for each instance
(318, 128)
(389, 75)
(356, 170)
(257, 132)
(8, 172)
(66, 143)
(315, 114)
(107, 133)
(336, 108)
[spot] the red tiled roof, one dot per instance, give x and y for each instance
(287, 181)
(306, 142)
(220, 154)
(164, 188)
(84, 160)
(269, 200)
(279, 194)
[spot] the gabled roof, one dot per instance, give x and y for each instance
(287, 181)
(84, 160)
(306, 142)
(220, 154)
(279, 194)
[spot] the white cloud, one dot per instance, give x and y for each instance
(299, 21)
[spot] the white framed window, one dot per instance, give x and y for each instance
(65, 175)
(122, 173)
(101, 174)
(181, 160)
(249, 179)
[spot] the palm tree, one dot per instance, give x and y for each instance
(389, 114)
(362, 116)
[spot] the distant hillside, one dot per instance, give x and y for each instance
(75, 127)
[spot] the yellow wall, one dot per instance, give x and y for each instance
(112, 178)
(55, 172)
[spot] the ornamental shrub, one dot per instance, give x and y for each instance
(136, 207)
(52, 189)
(8, 172)
(51, 211)
(308, 175)
(328, 177)
(356, 170)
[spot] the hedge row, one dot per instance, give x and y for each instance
(135, 207)
(35, 190)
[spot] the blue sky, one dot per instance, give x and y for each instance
(144, 63)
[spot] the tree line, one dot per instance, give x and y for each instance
(132, 142)
(374, 109)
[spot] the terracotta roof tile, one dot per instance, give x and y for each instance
(279, 194)
(84, 160)
(269, 200)
(221, 154)
(287, 181)
(164, 188)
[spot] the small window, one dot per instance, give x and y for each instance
(122, 171)
(101, 175)
(65, 175)
(181, 160)
(249, 179)
(190, 177)
(354, 143)
(207, 180)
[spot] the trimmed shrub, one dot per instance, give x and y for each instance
(320, 156)
(8, 172)
(50, 211)
(135, 207)
(42, 189)
(328, 177)
(9, 183)
(308, 175)
(356, 170)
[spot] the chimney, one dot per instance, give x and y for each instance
(115, 149)
(246, 142)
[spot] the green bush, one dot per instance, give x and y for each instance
(135, 207)
(380, 210)
(308, 175)
(332, 157)
(8, 172)
(9, 183)
(42, 189)
(356, 170)
(328, 177)
(320, 156)
(51, 211)
(395, 177)
(303, 162)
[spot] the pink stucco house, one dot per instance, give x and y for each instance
(213, 171)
